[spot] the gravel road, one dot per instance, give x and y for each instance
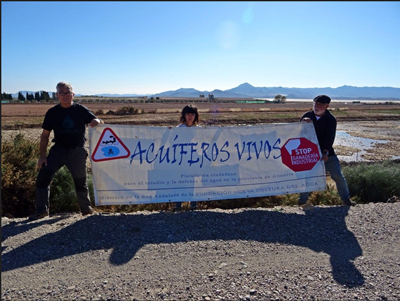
(281, 253)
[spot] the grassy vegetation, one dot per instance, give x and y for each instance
(285, 115)
(368, 182)
(373, 182)
(385, 112)
(342, 113)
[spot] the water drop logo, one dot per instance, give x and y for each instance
(110, 151)
(68, 123)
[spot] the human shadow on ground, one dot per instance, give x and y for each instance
(16, 228)
(323, 230)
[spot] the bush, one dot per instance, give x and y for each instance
(126, 110)
(375, 182)
(254, 202)
(328, 197)
(62, 192)
(18, 180)
(18, 176)
(99, 112)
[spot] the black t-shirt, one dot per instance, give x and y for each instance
(68, 124)
(325, 128)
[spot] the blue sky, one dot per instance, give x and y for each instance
(151, 47)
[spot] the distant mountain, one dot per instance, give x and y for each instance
(189, 92)
(113, 95)
(249, 91)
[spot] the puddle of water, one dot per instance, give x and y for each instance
(362, 144)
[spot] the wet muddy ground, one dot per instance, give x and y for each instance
(368, 140)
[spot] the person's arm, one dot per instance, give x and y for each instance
(325, 155)
(96, 122)
(44, 142)
(330, 134)
(329, 138)
(89, 117)
(306, 118)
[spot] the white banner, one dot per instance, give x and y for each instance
(147, 164)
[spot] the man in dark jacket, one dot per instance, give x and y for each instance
(325, 128)
(68, 120)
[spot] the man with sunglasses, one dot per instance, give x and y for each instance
(68, 120)
(325, 128)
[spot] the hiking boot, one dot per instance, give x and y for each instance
(38, 215)
(307, 206)
(90, 211)
(178, 207)
(349, 202)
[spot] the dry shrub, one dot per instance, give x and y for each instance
(99, 112)
(18, 180)
(18, 176)
(126, 110)
(253, 202)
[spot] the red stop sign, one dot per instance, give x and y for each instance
(300, 154)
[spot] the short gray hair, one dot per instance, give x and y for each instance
(65, 84)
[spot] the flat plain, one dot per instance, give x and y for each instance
(369, 120)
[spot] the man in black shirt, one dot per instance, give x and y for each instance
(68, 120)
(325, 128)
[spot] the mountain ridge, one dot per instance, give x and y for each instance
(246, 90)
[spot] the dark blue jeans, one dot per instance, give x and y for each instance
(333, 167)
(75, 160)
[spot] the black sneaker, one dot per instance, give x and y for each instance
(178, 207)
(38, 215)
(349, 202)
(90, 211)
(307, 206)
(301, 205)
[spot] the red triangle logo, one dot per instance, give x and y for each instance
(109, 147)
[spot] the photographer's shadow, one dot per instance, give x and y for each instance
(323, 230)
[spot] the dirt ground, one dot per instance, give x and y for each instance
(281, 253)
(164, 114)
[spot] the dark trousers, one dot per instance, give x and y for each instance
(75, 160)
(333, 167)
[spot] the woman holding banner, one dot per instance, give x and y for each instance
(189, 117)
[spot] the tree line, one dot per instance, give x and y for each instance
(44, 96)
(37, 96)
